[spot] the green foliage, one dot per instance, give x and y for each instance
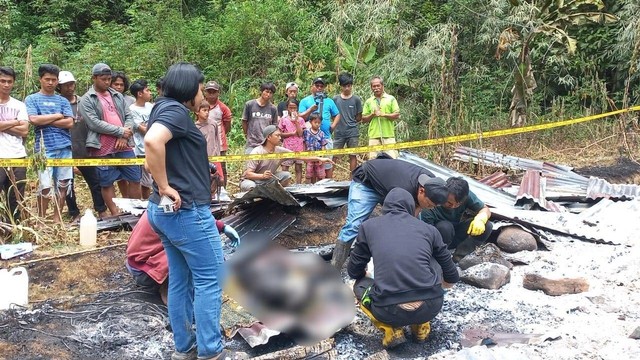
(437, 57)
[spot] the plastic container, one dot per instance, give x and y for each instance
(88, 229)
(15, 287)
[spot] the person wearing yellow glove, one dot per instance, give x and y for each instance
(463, 216)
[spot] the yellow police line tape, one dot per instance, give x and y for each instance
(344, 151)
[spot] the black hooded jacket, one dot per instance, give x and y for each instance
(402, 248)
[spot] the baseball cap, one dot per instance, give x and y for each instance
(435, 188)
(101, 69)
(268, 131)
(290, 85)
(212, 85)
(319, 80)
(65, 77)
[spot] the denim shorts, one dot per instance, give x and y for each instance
(329, 146)
(110, 174)
(49, 175)
(349, 142)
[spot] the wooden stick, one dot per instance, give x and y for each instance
(67, 254)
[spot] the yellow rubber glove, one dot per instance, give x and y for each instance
(477, 226)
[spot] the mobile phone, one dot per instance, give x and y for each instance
(166, 204)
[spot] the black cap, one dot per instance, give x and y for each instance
(434, 188)
(319, 80)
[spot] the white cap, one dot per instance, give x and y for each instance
(65, 77)
(290, 85)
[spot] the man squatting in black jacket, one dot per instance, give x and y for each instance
(406, 289)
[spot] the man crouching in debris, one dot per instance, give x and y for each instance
(261, 171)
(372, 181)
(147, 261)
(406, 288)
(447, 218)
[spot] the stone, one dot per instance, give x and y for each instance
(486, 253)
(555, 287)
(513, 239)
(635, 334)
(487, 276)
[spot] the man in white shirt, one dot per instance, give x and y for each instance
(14, 127)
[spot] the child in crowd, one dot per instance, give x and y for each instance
(291, 126)
(314, 140)
(210, 132)
(140, 111)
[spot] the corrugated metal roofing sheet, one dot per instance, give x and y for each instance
(486, 193)
(532, 191)
(264, 220)
(557, 174)
(606, 222)
(600, 188)
(497, 180)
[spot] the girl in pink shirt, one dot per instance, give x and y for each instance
(291, 126)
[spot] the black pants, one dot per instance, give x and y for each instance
(393, 314)
(10, 180)
(455, 233)
(91, 177)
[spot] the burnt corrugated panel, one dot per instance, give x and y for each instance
(266, 220)
(497, 180)
(486, 193)
(606, 222)
(600, 188)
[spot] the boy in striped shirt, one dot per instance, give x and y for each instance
(52, 116)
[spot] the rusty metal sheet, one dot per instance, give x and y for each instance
(497, 180)
(532, 192)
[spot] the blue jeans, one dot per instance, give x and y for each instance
(196, 274)
(362, 201)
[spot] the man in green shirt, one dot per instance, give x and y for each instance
(381, 111)
(462, 216)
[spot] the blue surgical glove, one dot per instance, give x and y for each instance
(232, 234)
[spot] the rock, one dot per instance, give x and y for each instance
(555, 287)
(486, 253)
(635, 334)
(513, 239)
(487, 276)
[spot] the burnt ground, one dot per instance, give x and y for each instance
(622, 170)
(87, 304)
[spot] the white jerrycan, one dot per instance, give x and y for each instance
(15, 287)
(88, 229)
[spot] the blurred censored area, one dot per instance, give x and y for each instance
(295, 293)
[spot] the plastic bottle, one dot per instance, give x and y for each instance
(88, 229)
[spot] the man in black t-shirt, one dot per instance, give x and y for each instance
(371, 182)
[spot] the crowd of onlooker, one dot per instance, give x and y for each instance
(107, 122)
